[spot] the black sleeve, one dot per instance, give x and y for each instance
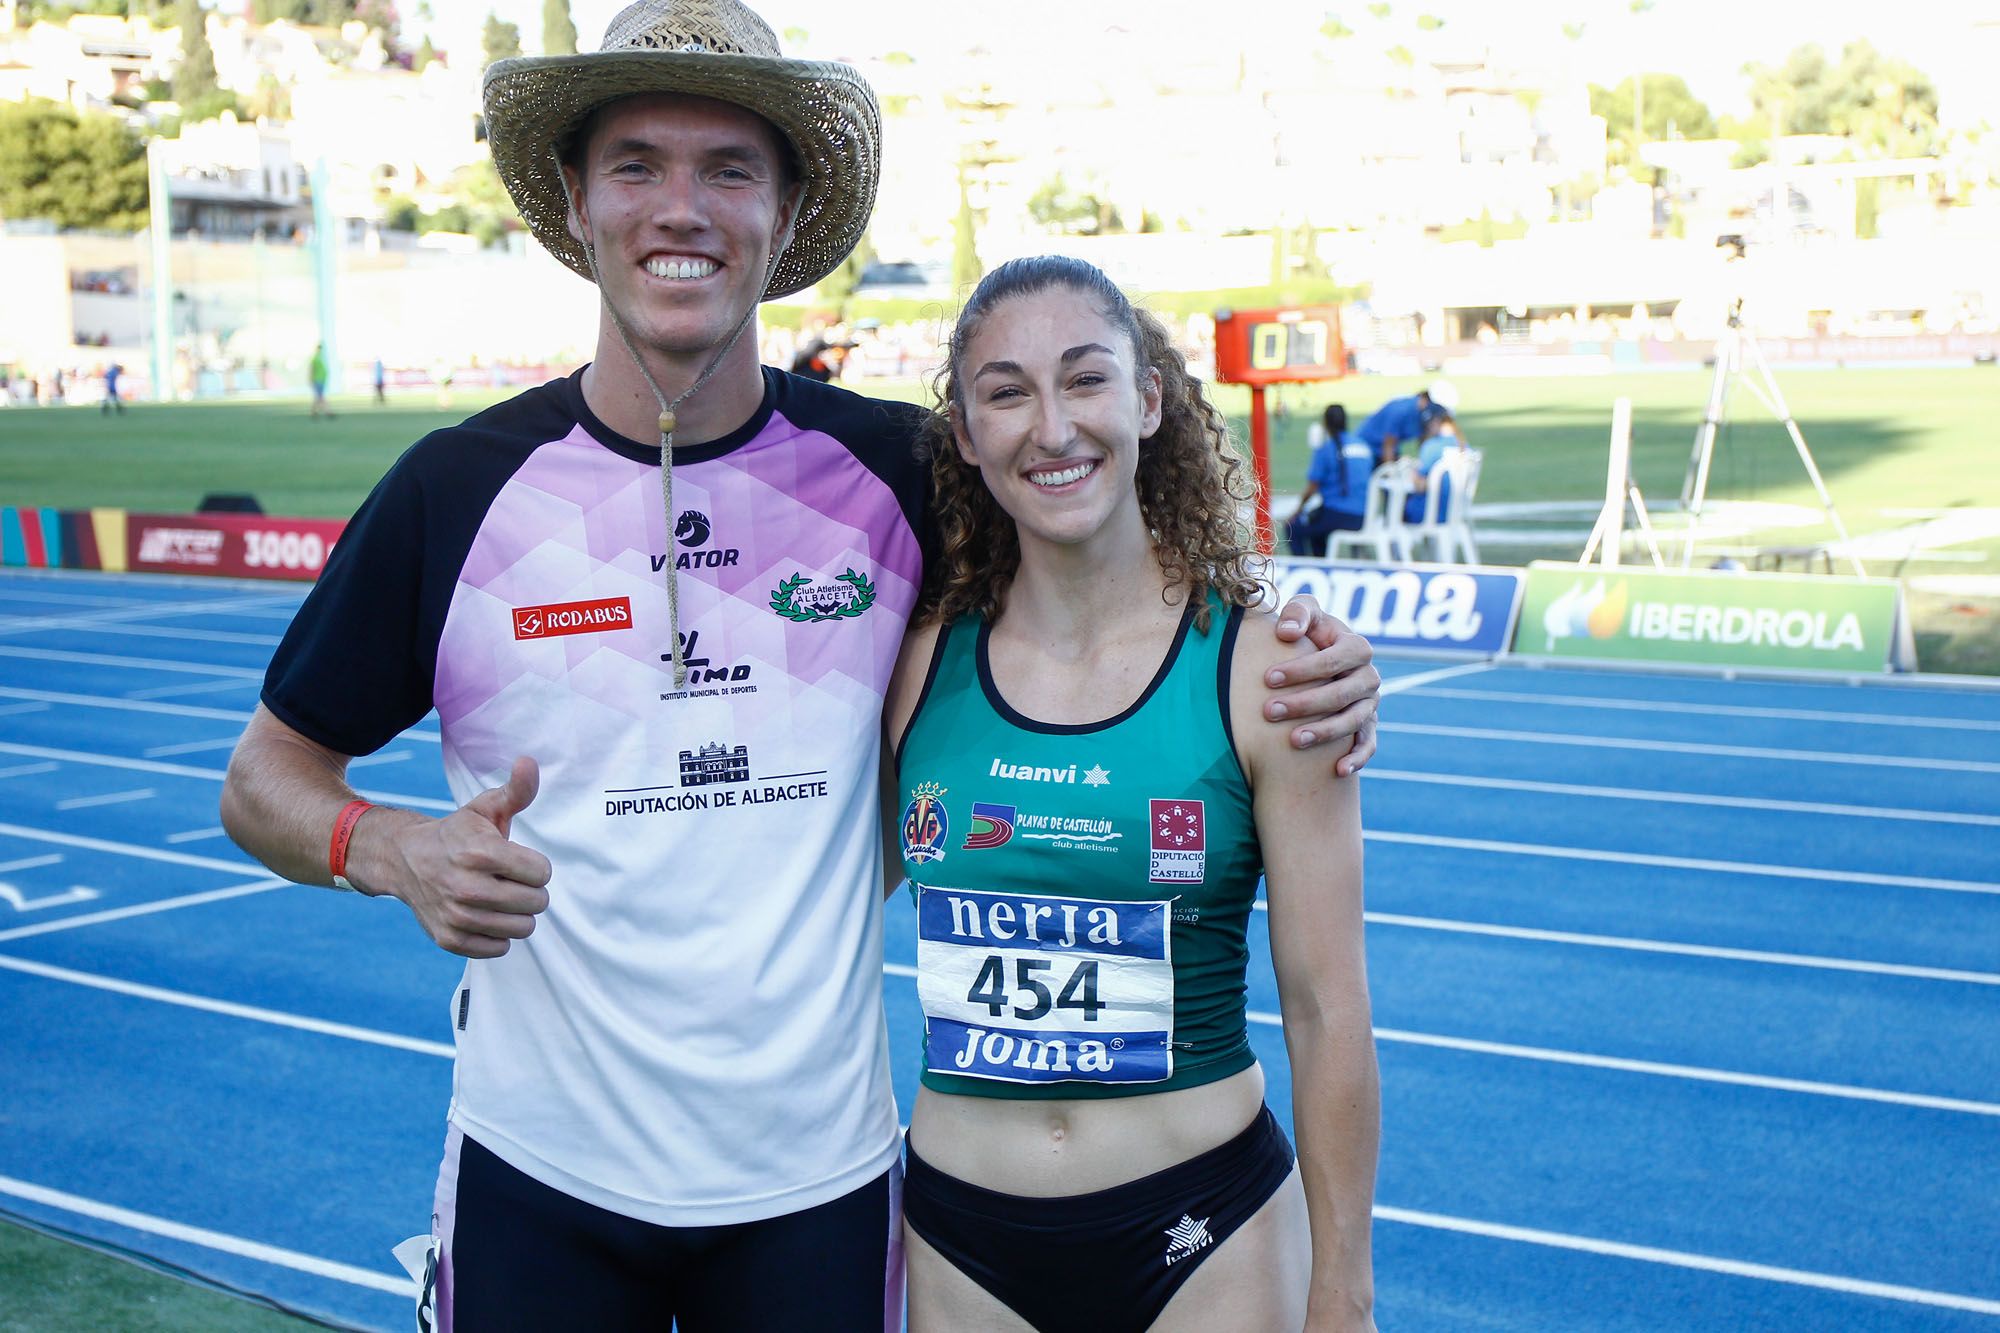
(882, 434)
(359, 662)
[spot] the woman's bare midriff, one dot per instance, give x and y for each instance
(1047, 1149)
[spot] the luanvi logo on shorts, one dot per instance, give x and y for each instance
(843, 597)
(1187, 1238)
(558, 618)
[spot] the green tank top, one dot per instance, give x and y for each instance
(1082, 891)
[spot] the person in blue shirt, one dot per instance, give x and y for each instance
(1441, 438)
(1402, 419)
(1338, 477)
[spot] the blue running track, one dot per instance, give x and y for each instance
(1687, 991)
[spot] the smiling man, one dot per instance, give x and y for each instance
(655, 605)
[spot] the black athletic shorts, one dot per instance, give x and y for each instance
(511, 1253)
(1106, 1262)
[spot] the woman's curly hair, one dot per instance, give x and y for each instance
(1191, 481)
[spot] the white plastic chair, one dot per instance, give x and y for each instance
(1447, 537)
(1383, 527)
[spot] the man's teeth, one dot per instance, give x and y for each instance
(680, 268)
(1064, 477)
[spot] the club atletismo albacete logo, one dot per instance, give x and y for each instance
(843, 597)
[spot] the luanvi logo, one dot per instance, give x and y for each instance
(558, 618)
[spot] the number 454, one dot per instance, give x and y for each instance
(990, 988)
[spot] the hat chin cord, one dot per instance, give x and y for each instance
(667, 423)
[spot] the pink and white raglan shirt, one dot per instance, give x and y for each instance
(694, 1033)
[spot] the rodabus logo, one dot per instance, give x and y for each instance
(557, 618)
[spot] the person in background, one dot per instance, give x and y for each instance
(1337, 477)
(316, 372)
(112, 402)
(1401, 420)
(381, 383)
(1441, 439)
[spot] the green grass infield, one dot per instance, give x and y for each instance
(1907, 454)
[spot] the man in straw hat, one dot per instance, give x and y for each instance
(678, 581)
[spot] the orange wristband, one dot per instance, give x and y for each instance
(343, 831)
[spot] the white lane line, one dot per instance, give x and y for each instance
(1682, 797)
(148, 632)
(190, 747)
(145, 909)
(195, 687)
(26, 770)
(206, 774)
(1691, 747)
(196, 834)
(1695, 1073)
(30, 863)
(237, 867)
(1683, 950)
(227, 1008)
(1679, 862)
(11, 710)
(212, 1240)
(135, 663)
(379, 757)
(1717, 710)
(1683, 1259)
(119, 615)
(1403, 683)
(236, 715)
(109, 798)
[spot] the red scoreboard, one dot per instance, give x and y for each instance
(1265, 347)
(1260, 347)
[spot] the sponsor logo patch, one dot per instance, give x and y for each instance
(925, 824)
(180, 546)
(804, 601)
(1187, 1238)
(992, 825)
(559, 618)
(1180, 842)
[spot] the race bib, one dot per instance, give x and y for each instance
(1045, 988)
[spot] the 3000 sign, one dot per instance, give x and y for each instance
(283, 550)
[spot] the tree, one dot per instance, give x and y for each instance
(499, 39)
(966, 270)
(1671, 109)
(426, 53)
(195, 78)
(558, 30)
(75, 171)
(837, 288)
(1884, 106)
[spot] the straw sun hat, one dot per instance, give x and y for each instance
(698, 48)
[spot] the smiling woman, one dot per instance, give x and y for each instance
(1090, 1150)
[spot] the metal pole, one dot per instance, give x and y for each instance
(1260, 462)
(159, 224)
(1784, 413)
(1694, 491)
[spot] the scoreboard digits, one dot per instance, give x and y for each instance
(1260, 347)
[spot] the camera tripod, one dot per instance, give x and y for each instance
(1736, 347)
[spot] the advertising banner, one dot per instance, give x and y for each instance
(243, 546)
(1446, 608)
(1783, 621)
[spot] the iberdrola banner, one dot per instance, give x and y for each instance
(1736, 619)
